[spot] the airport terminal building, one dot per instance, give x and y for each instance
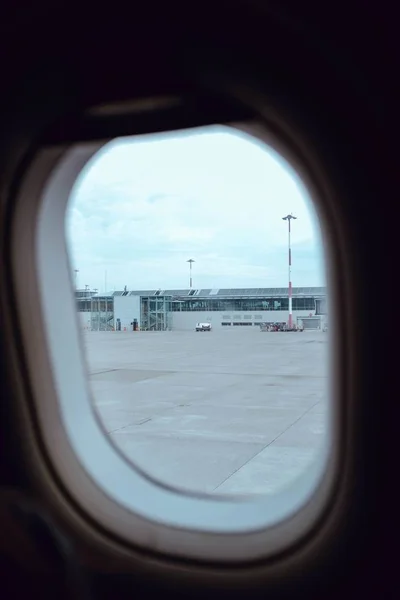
(163, 310)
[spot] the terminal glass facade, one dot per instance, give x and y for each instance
(154, 313)
(102, 313)
(240, 304)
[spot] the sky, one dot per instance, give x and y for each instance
(145, 205)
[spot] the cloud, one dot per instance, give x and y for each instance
(156, 197)
(144, 206)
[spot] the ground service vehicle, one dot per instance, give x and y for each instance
(203, 326)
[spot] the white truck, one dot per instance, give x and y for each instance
(203, 326)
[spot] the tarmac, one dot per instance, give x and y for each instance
(234, 411)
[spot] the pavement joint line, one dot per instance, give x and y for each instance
(266, 446)
(128, 425)
(236, 373)
(104, 371)
(167, 408)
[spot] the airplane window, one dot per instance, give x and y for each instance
(164, 248)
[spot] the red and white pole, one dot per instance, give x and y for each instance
(288, 218)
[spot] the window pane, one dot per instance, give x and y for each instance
(162, 237)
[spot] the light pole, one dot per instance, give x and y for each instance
(76, 278)
(190, 261)
(288, 218)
